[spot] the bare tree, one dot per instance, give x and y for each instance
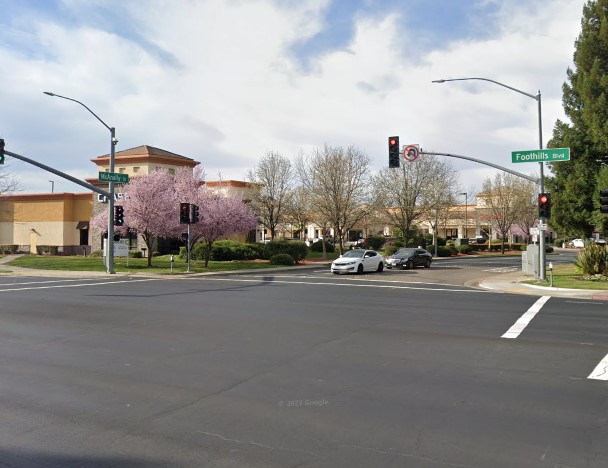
(415, 191)
(273, 177)
(500, 198)
(298, 210)
(527, 208)
(8, 186)
(338, 182)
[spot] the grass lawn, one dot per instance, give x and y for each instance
(566, 276)
(160, 264)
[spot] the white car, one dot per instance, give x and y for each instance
(578, 243)
(358, 261)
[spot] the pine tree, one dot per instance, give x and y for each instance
(585, 100)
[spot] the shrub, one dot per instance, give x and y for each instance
(282, 259)
(135, 254)
(197, 251)
(465, 249)
(225, 251)
(443, 251)
(390, 250)
(375, 242)
(96, 253)
(9, 249)
(297, 250)
(47, 249)
(318, 247)
(441, 241)
(592, 260)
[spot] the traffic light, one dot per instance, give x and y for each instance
(393, 151)
(184, 213)
(544, 205)
(194, 217)
(119, 215)
(1, 151)
(604, 201)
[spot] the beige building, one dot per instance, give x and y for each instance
(55, 223)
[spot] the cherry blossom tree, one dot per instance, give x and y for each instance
(152, 201)
(221, 215)
(151, 208)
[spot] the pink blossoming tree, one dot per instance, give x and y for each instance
(151, 209)
(152, 201)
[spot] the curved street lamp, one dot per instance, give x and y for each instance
(113, 141)
(537, 97)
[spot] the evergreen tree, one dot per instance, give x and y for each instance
(573, 186)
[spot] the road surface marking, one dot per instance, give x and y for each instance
(359, 278)
(76, 285)
(525, 319)
(353, 284)
(601, 370)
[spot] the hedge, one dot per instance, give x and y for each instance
(282, 259)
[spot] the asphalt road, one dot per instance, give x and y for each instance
(298, 370)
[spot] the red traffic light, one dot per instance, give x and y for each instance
(392, 141)
(543, 199)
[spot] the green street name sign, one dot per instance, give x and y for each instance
(544, 155)
(113, 177)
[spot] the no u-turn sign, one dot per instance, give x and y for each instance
(411, 152)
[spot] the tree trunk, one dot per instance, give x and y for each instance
(208, 253)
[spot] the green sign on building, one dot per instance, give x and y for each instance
(541, 155)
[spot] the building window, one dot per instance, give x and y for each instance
(135, 169)
(121, 170)
(171, 171)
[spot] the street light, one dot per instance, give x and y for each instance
(466, 218)
(537, 97)
(113, 141)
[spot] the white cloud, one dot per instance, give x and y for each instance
(227, 88)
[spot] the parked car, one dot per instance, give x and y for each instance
(578, 243)
(409, 258)
(358, 261)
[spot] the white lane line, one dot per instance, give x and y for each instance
(353, 284)
(77, 285)
(525, 319)
(601, 370)
(49, 281)
(357, 278)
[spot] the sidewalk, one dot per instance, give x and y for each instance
(512, 283)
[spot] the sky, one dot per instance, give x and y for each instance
(225, 81)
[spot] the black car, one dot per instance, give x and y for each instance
(408, 258)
